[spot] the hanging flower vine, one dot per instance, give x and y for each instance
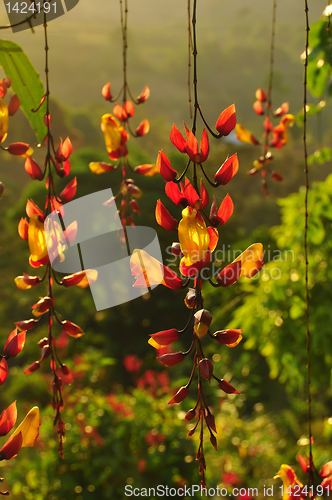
(117, 130)
(280, 133)
(198, 237)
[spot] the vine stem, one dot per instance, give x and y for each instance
(189, 59)
(196, 105)
(306, 216)
(268, 105)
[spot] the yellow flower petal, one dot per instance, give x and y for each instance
(29, 428)
(20, 283)
(193, 235)
(3, 120)
(251, 260)
(36, 238)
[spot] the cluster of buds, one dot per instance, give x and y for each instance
(129, 193)
(15, 148)
(280, 135)
(116, 129)
(195, 246)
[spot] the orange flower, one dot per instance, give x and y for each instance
(280, 132)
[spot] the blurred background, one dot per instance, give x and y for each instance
(119, 429)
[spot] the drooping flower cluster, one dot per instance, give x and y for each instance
(43, 246)
(280, 136)
(117, 130)
(15, 148)
(196, 244)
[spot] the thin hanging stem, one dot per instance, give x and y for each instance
(124, 14)
(268, 105)
(196, 105)
(306, 216)
(189, 60)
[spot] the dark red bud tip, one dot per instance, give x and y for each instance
(179, 396)
(213, 441)
(46, 352)
(32, 368)
(171, 358)
(190, 299)
(65, 370)
(42, 342)
(226, 387)
(209, 418)
(277, 177)
(203, 316)
(190, 415)
(206, 367)
(176, 248)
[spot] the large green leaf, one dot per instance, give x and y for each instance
(25, 83)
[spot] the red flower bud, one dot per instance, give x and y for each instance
(164, 167)
(164, 218)
(228, 337)
(27, 324)
(69, 191)
(13, 105)
(18, 148)
(106, 92)
(144, 95)
(206, 368)
(8, 419)
(72, 329)
(46, 352)
(2, 188)
(209, 418)
(3, 370)
(190, 415)
(284, 108)
(260, 95)
(14, 344)
(226, 387)
(190, 299)
(32, 368)
(171, 358)
(258, 108)
(226, 121)
(227, 170)
(277, 177)
(42, 342)
(143, 128)
(176, 249)
(179, 396)
(33, 169)
(202, 322)
(135, 206)
(166, 337)
(213, 441)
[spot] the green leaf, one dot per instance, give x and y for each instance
(25, 83)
